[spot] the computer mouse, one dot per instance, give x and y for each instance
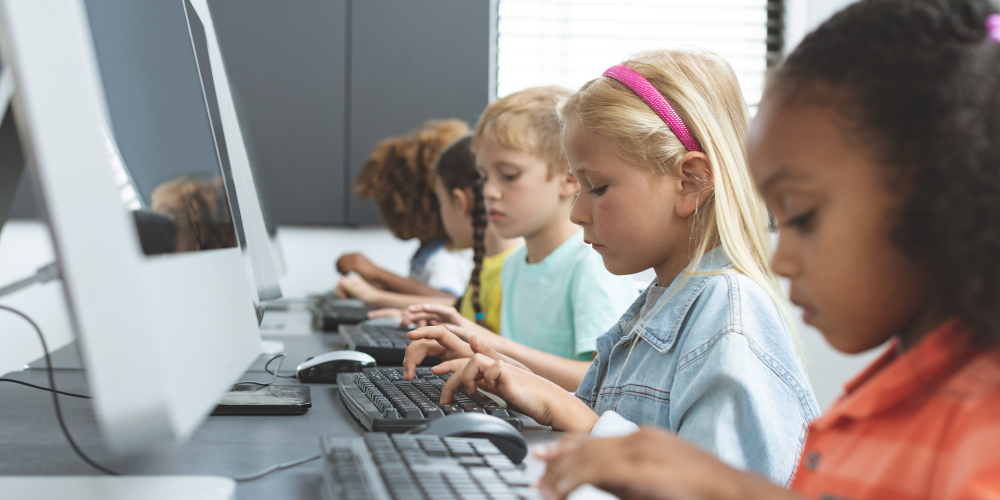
(478, 425)
(323, 369)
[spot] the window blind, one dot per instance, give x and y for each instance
(569, 42)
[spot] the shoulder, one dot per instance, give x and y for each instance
(974, 423)
(738, 304)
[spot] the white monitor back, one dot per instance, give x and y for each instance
(161, 338)
(254, 240)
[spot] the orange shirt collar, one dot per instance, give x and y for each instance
(893, 378)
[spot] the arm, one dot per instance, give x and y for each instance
(567, 373)
(357, 287)
(380, 278)
(649, 464)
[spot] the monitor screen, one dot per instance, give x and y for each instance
(171, 167)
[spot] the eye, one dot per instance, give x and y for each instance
(801, 222)
(599, 190)
(511, 177)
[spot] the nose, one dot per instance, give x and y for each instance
(580, 213)
(490, 191)
(785, 261)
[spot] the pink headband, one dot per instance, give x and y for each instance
(993, 26)
(655, 100)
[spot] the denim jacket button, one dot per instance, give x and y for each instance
(812, 460)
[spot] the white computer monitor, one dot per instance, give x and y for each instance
(163, 336)
(247, 213)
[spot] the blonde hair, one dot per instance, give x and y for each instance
(526, 121)
(703, 90)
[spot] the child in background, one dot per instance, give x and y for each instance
(557, 295)
(658, 145)
(460, 196)
(399, 177)
(876, 148)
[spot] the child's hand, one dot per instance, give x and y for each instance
(432, 314)
(355, 286)
(648, 464)
(534, 396)
(432, 342)
(387, 312)
(355, 262)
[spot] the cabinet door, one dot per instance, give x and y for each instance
(410, 62)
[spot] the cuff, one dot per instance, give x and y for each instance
(612, 424)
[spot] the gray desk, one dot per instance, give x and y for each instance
(31, 442)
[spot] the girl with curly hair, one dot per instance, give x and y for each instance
(876, 149)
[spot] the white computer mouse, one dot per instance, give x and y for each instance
(323, 369)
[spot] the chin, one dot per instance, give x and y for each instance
(618, 267)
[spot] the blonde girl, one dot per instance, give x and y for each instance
(657, 144)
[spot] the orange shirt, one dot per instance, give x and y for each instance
(921, 425)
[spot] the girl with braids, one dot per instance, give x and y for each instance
(877, 147)
(398, 176)
(459, 195)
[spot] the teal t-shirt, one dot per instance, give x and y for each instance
(563, 303)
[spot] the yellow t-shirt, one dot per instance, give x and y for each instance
(490, 295)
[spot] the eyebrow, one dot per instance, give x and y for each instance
(782, 175)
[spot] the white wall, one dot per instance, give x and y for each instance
(802, 16)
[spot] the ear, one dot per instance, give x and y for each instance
(464, 199)
(568, 183)
(695, 183)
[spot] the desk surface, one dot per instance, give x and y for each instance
(31, 442)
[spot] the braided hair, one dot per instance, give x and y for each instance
(457, 170)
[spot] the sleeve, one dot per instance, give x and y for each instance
(727, 399)
(611, 424)
(599, 299)
(449, 271)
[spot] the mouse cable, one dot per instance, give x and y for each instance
(275, 468)
(281, 359)
(33, 386)
(275, 373)
(55, 393)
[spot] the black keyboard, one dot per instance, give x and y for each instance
(329, 312)
(404, 467)
(383, 402)
(387, 344)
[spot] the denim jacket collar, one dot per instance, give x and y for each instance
(661, 332)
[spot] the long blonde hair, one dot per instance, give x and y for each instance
(703, 90)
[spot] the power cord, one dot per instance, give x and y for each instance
(275, 372)
(281, 359)
(62, 423)
(55, 393)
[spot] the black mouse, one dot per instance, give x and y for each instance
(323, 369)
(477, 425)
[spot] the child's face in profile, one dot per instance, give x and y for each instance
(456, 209)
(629, 215)
(834, 214)
(522, 199)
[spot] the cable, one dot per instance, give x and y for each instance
(275, 468)
(62, 423)
(55, 394)
(33, 386)
(281, 359)
(44, 274)
(275, 373)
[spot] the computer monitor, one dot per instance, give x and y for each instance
(232, 152)
(162, 336)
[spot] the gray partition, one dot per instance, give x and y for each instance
(318, 82)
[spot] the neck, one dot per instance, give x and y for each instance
(923, 323)
(677, 261)
(496, 244)
(540, 244)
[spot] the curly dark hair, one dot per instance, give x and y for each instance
(398, 177)
(899, 72)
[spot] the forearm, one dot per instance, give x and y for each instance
(566, 373)
(743, 485)
(403, 300)
(407, 286)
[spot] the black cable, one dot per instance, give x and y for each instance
(62, 423)
(280, 356)
(33, 386)
(275, 468)
(275, 373)
(55, 394)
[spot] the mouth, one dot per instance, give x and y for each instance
(496, 215)
(594, 245)
(808, 311)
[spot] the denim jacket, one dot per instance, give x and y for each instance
(715, 365)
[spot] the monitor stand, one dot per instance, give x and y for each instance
(119, 487)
